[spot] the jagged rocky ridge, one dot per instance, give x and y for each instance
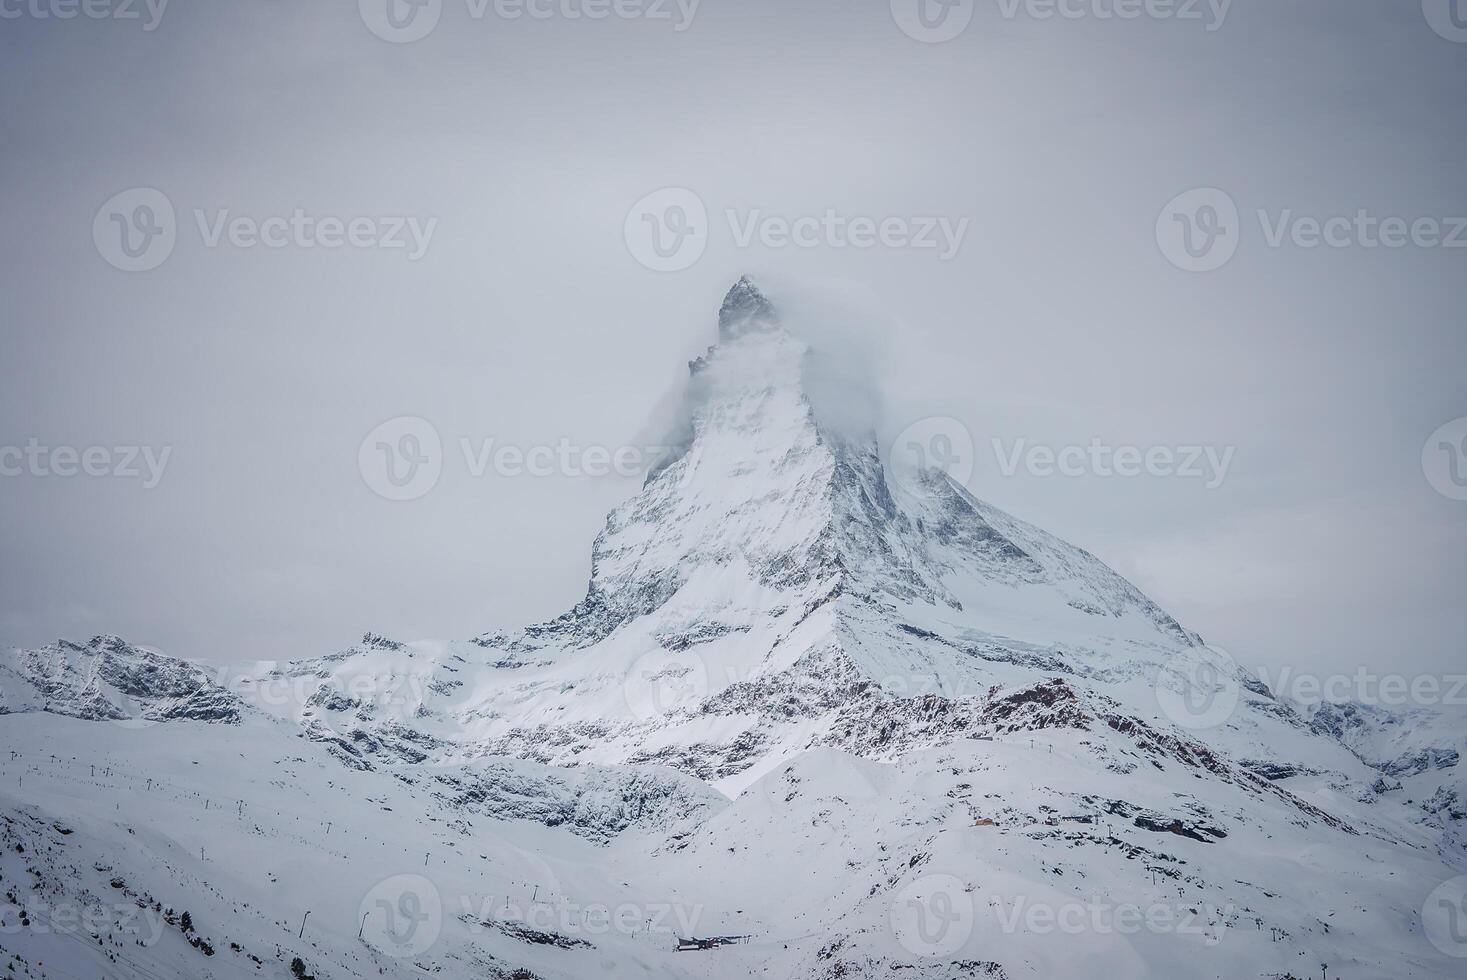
(108, 679)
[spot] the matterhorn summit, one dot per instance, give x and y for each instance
(744, 309)
(807, 721)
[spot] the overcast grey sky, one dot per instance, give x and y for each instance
(520, 146)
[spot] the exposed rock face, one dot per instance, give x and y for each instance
(1417, 750)
(745, 308)
(1385, 740)
(591, 801)
(108, 679)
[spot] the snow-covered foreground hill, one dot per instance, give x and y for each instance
(819, 705)
(1041, 852)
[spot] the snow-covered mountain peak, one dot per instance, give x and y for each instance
(909, 693)
(109, 679)
(771, 571)
(745, 308)
(770, 574)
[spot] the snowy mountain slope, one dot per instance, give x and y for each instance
(249, 827)
(1418, 751)
(1067, 838)
(937, 722)
(1397, 743)
(1031, 860)
(109, 679)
